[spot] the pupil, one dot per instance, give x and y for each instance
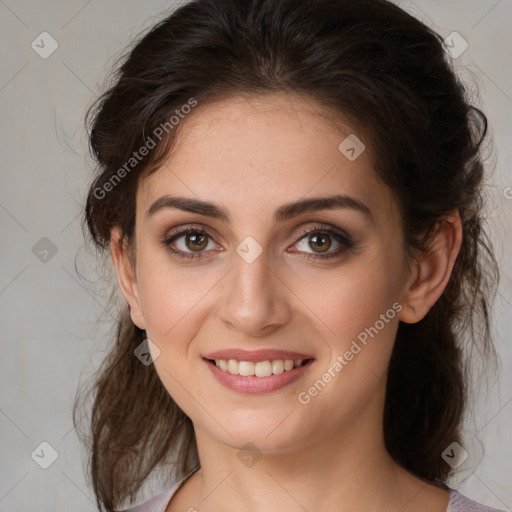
(194, 239)
(315, 239)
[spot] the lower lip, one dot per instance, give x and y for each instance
(252, 384)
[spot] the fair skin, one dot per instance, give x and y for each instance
(250, 156)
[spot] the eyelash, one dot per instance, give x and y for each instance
(340, 237)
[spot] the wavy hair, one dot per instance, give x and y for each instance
(370, 64)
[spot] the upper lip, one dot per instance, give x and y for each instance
(256, 355)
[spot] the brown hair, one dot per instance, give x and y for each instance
(368, 62)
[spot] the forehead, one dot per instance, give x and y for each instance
(266, 151)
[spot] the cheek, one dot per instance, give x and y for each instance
(358, 318)
(171, 296)
(172, 307)
(355, 315)
(345, 302)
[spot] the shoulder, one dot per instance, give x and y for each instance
(157, 503)
(460, 503)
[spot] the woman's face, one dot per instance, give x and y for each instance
(254, 284)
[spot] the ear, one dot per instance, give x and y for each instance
(432, 272)
(126, 276)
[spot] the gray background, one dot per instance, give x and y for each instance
(54, 325)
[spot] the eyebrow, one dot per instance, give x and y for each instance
(284, 212)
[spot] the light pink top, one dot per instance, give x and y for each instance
(159, 502)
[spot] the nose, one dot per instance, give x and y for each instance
(255, 301)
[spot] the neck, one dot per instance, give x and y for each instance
(345, 469)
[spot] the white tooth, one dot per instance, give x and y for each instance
(277, 366)
(288, 364)
(246, 368)
(263, 369)
(233, 366)
(260, 368)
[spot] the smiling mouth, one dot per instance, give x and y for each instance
(260, 368)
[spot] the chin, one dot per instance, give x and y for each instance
(270, 435)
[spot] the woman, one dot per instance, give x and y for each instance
(291, 195)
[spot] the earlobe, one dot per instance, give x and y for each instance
(126, 276)
(433, 270)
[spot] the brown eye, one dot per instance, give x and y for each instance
(319, 240)
(188, 243)
(196, 241)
